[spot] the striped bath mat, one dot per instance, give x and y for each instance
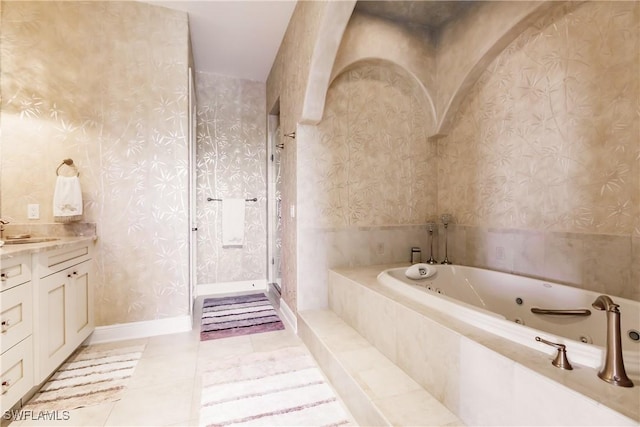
(92, 375)
(277, 388)
(238, 315)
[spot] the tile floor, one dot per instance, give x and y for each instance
(165, 387)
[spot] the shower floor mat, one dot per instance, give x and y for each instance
(238, 315)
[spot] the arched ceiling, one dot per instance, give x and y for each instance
(433, 15)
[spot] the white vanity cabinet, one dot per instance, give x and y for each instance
(46, 299)
(64, 301)
(15, 271)
(16, 315)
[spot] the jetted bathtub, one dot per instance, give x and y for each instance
(502, 304)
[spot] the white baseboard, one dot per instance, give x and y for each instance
(231, 287)
(146, 328)
(288, 316)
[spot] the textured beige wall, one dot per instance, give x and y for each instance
(231, 162)
(540, 169)
(368, 37)
(287, 83)
(368, 163)
(545, 139)
(465, 47)
(366, 176)
(546, 142)
(104, 83)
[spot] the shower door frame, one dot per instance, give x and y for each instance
(273, 139)
(192, 192)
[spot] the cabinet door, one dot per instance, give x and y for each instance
(16, 373)
(81, 316)
(16, 315)
(14, 271)
(54, 339)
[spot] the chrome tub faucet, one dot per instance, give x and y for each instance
(613, 371)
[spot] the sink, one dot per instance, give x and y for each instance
(30, 240)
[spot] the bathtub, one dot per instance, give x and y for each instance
(501, 303)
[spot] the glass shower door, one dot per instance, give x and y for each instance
(274, 246)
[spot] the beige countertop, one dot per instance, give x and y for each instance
(9, 251)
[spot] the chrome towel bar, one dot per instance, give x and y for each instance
(209, 199)
(572, 312)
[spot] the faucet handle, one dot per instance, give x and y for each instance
(560, 360)
(605, 303)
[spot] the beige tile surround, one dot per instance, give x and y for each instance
(376, 391)
(480, 377)
(606, 263)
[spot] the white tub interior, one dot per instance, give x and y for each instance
(501, 303)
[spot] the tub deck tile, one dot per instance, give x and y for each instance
(389, 392)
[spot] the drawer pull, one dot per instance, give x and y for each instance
(5, 326)
(5, 386)
(3, 277)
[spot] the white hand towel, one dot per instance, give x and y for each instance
(67, 199)
(233, 222)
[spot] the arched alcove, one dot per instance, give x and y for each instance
(365, 169)
(332, 27)
(479, 43)
(446, 69)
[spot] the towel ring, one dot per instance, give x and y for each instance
(68, 162)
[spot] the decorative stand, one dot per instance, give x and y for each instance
(431, 260)
(446, 219)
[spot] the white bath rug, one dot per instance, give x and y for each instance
(277, 388)
(92, 375)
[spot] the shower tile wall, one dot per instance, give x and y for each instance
(231, 162)
(104, 83)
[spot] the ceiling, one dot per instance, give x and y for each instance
(238, 38)
(433, 15)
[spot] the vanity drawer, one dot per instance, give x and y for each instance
(50, 262)
(14, 271)
(17, 373)
(16, 314)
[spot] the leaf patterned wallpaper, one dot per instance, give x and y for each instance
(540, 170)
(367, 176)
(368, 163)
(231, 163)
(104, 83)
(546, 142)
(286, 87)
(548, 136)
